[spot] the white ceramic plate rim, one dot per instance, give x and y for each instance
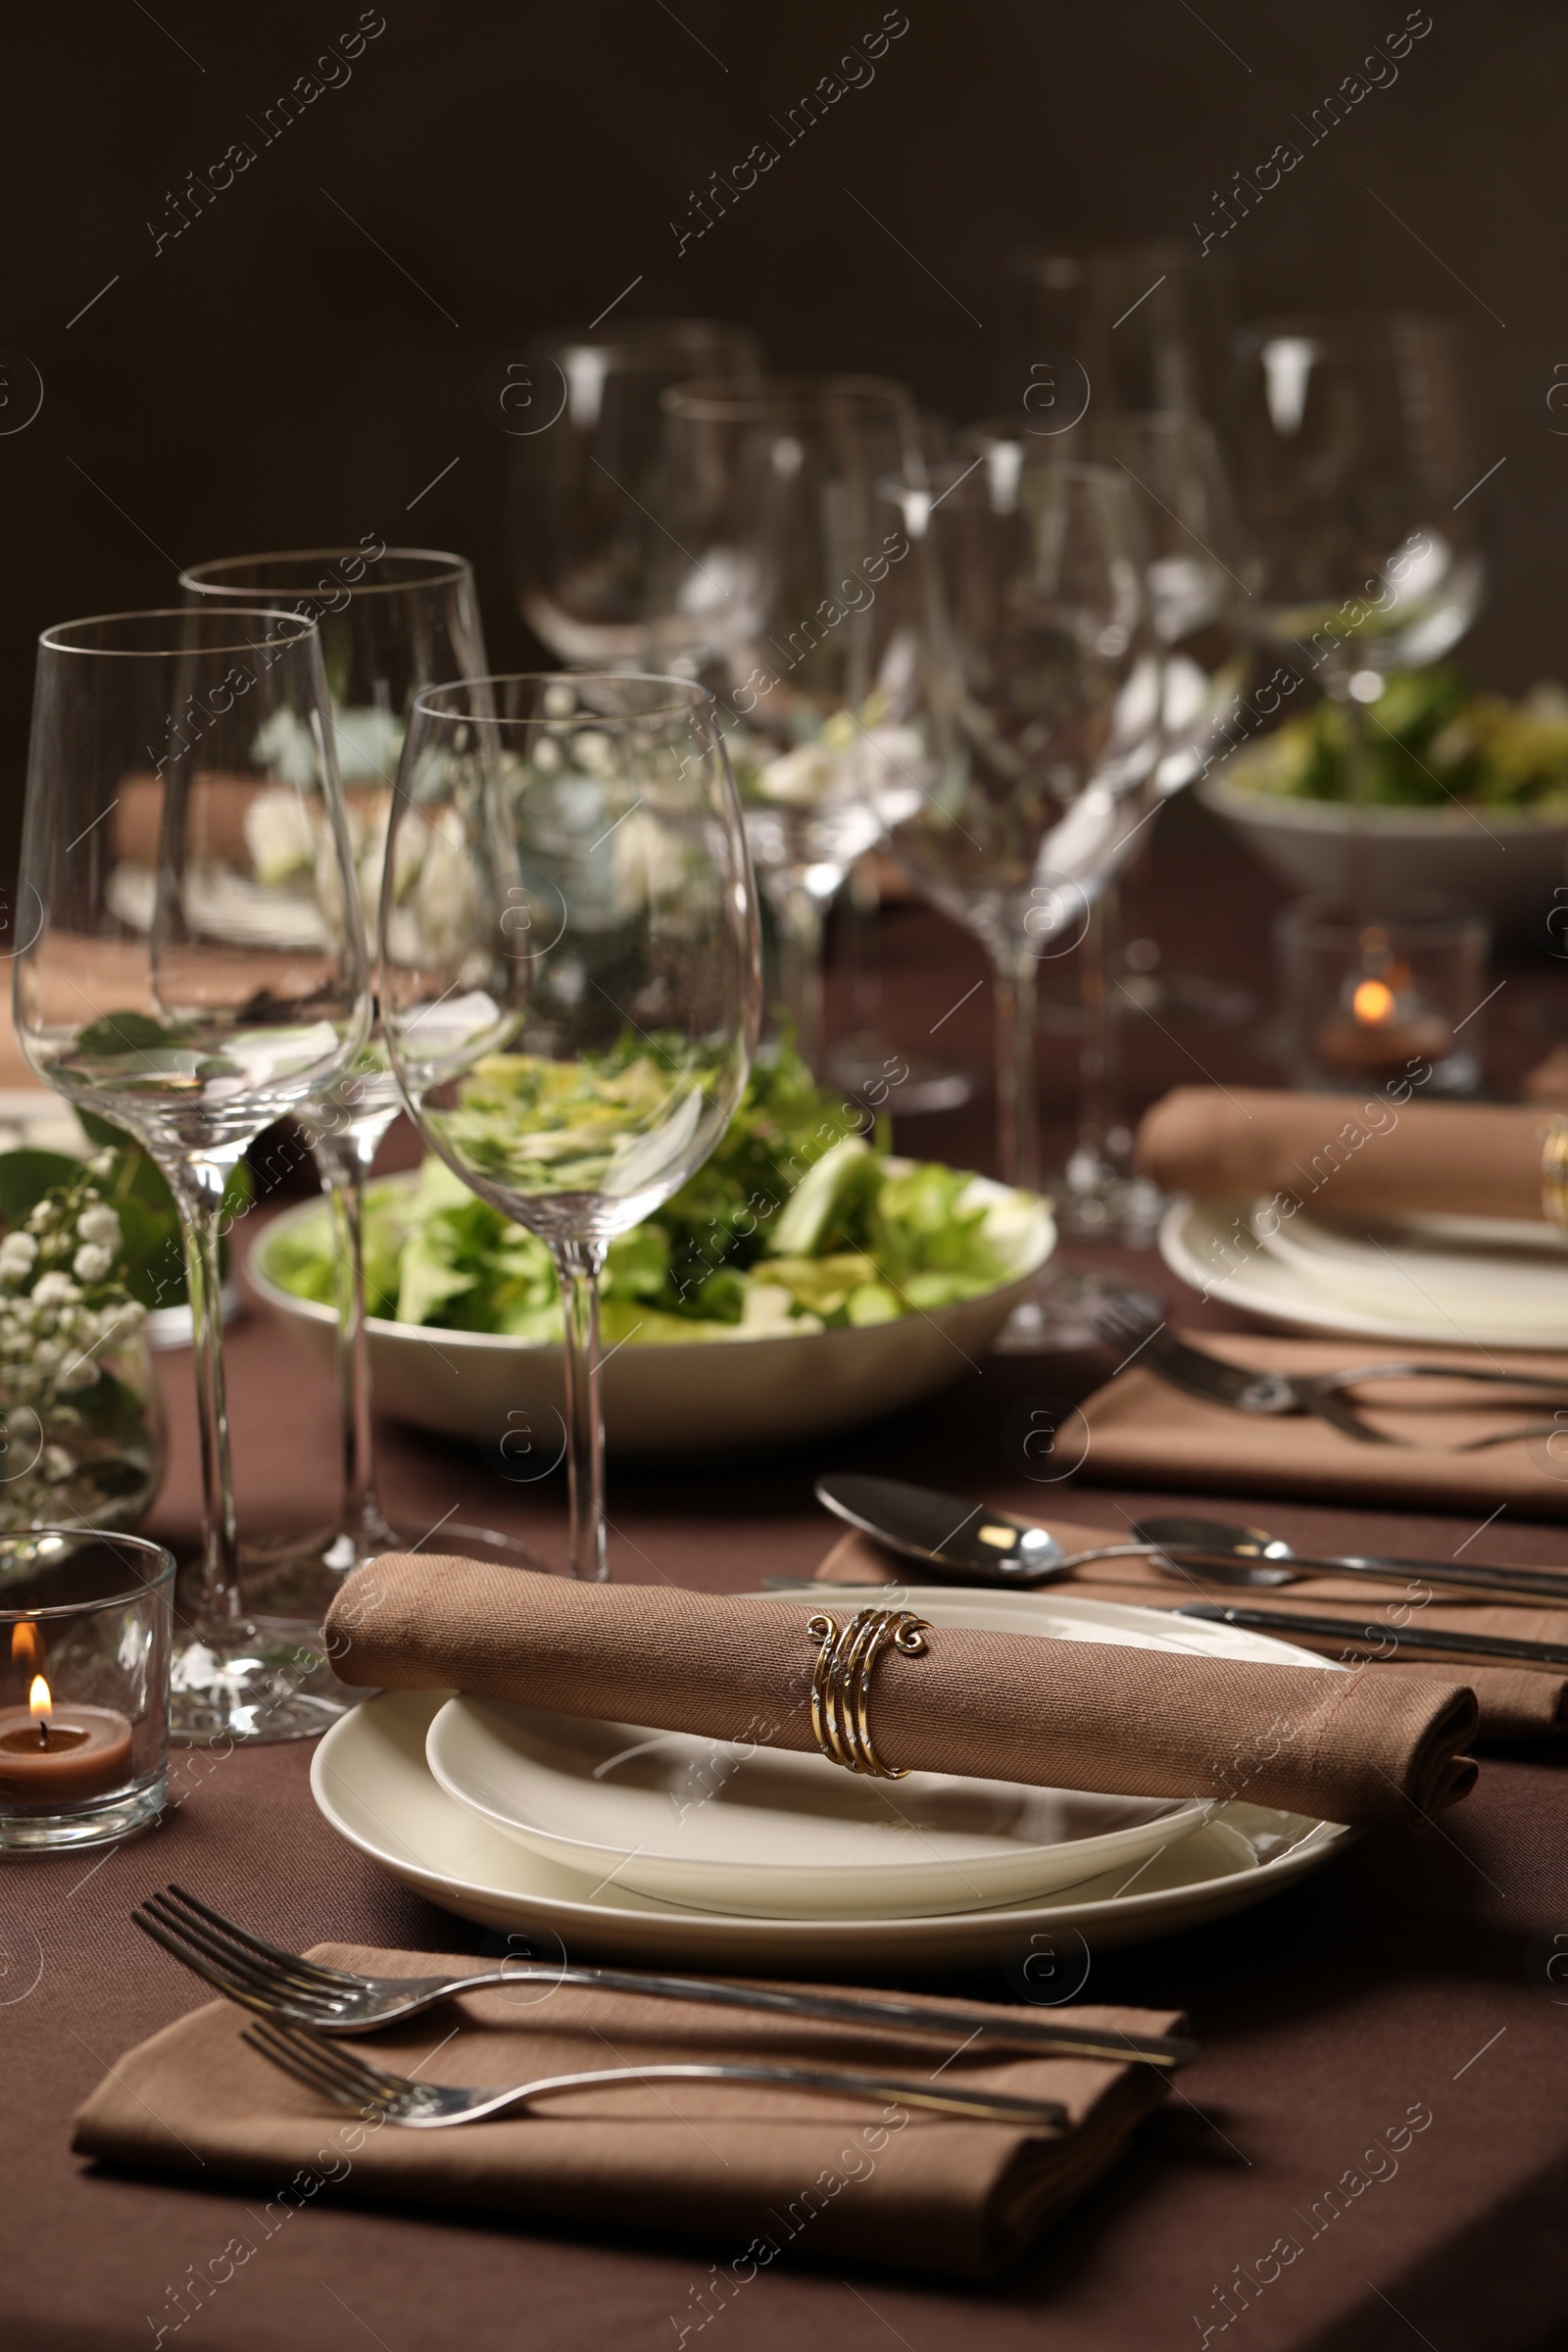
(1231, 798)
(1287, 1300)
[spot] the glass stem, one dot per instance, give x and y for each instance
(343, 1162)
(1018, 1106)
(1100, 1127)
(577, 1264)
(198, 1189)
(798, 912)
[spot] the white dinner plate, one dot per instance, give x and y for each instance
(731, 1826)
(371, 1783)
(1420, 1286)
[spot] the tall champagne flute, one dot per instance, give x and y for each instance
(583, 408)
(1033, 687)
(187, 987)
(766, 579)
(391, 619)
(570, 971)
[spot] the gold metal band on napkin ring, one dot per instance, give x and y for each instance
(841, 1686)
(1554, 1173)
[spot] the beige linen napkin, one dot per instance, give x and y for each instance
(1143, 1432)
(996, 1706)
(1516, 1702)
(1346, 1153)
(754, 2169)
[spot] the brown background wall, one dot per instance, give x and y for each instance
(280, 373)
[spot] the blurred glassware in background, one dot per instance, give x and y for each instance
(1354, 471)
(1117, 331)
(769, 581)
(1367, 1002)
(193, 980)
(1026, 671)
(570, 973)
(390, 621)
(581, 480)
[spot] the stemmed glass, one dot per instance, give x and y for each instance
(391, 619)
(1199, 601)
(1354, 473)
(570, 971)
(768, 579)
(1035, 697)
(191, 987)
(1117, 331)
(584, 409)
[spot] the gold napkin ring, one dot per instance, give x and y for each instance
(841, 1686)
(1555, 1174)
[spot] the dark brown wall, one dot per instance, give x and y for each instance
(277, 375)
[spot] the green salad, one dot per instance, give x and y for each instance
(797, 1222)
(1431, 739)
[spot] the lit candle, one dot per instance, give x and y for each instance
(1382, 1024)
(61, 1752)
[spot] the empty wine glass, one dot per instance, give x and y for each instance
(1198, 601)
(1030, 680)
(767, 580)
(194, 979)
(1117, 331)
(585, 411)
(570, 971)
(391, 619)
(1355, 469)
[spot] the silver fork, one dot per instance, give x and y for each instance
(275, 1983)
(347, 2079)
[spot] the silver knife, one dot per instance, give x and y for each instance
(1477, 1647)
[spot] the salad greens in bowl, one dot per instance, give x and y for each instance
(1466, 796)
(850, 1282)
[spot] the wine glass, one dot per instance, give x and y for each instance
(1119, 331)
(1199, 601)
(192, 983)
(1354, 471)
(1033, 689)
(585, 412)
(767, 580)
(570, 971)
(391, 619)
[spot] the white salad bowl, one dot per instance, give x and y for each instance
(703, 1395)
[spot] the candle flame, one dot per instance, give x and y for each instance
(40, 1703)
(26, 1647)
(1373, 1000)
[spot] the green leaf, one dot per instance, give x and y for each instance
(27, 1176)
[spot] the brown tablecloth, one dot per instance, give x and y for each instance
(1407, 1981)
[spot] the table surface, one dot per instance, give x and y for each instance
(1411, 1976)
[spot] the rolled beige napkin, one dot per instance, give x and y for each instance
(1346, 1153)
(1516, 1702)
(727, 2163)
(1342, 1746)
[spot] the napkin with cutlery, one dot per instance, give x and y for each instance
(1353, 1748)
(1144, 1432)
(1515, 1702)
(754, 2170)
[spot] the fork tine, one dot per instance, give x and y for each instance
(290, 1961)
(269, 2041)
(337, 2064)
(197, 1962)
(239, 1966)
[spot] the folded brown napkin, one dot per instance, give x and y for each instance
(997, 1707)
(1143, 1432)
(1516, 1702)
(753, 2169)
(1346, 1152)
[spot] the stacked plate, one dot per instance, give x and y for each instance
(617, 1839)
(1475, 1282)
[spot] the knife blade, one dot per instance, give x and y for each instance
(1477, 1647)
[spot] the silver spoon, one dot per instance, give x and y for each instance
(976, 1544)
